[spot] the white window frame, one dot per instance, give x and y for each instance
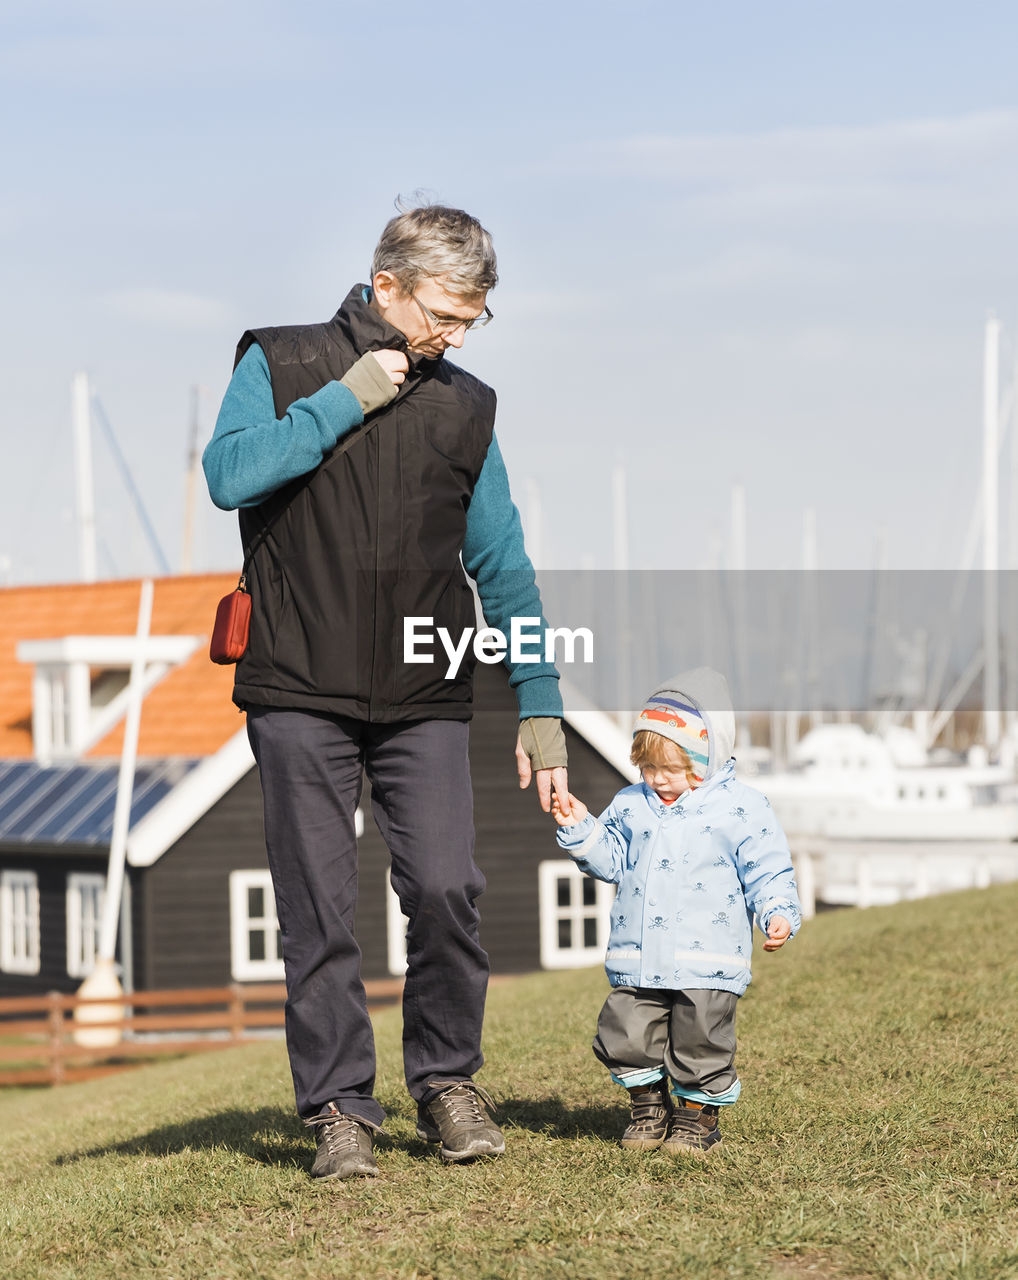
(242, 967)
(19, 922)
(576, 956)
(84, 897)
(64, 721)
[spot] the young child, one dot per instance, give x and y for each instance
(696, 854)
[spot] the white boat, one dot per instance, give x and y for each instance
(871, 819)
(874, 818)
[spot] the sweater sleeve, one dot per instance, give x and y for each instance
(252, 452)
(495, 557)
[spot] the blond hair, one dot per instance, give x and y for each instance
(650, 748)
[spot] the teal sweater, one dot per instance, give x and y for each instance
(252, 453)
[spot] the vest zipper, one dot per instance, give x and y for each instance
(374, 586)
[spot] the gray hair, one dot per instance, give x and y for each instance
(434, 240)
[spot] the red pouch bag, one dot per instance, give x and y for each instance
(233, 621)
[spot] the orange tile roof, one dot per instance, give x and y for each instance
(189, 713)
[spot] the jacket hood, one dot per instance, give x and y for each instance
(706, 690)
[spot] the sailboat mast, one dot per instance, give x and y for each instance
(187, 544)
(81, 418)
(991, 622)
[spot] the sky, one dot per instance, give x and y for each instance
(739, 244)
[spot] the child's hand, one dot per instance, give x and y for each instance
(577, 811)
(778, 932)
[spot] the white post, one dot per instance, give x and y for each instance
(102, 982)
(42, 714)
(82, 423)
(991, 625)
(125, 781)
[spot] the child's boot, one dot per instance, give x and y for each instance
(693, 1128)
(651, 1107)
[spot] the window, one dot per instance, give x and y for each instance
(575, 916)
(85, 894)
(19, 922)
(79, 688)
(255, 950)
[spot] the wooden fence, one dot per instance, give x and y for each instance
(52, 1039)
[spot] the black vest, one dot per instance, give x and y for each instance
(373, 536)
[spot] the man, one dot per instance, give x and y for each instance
(367, 476)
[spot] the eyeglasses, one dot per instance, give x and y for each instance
(446, 324)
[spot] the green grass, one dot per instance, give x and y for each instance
(876, 1137)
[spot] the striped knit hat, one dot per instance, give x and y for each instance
(673, 716)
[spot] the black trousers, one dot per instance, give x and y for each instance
(311, 765)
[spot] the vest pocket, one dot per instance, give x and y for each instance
(288, 655)
(314, 647)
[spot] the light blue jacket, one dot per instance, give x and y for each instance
(691, 877)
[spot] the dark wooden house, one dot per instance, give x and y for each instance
(198, 907)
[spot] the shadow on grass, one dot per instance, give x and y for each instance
(275, 1136)
(269, 1135)
(551, 1116)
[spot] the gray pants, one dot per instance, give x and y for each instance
(311, 766)
(645, 1034)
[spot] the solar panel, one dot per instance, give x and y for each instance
(48, 794)
(15, 785)
(96, 826)
(158, 787)
(67, 812)
(74, 803)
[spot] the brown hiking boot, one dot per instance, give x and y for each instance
(344, 1145)
(693, 1129)
(651, 1108)
(459, 1118)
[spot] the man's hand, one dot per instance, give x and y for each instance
(577, 811)
(777, 933)
(394, 363)
(548, 780)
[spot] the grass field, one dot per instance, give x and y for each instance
(876, 1137)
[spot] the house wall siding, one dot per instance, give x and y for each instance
(513, 835)
(180, 904)
(184, 909)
